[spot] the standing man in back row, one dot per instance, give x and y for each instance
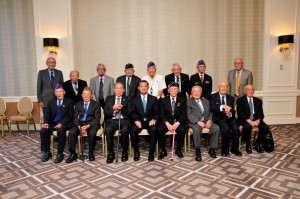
(202, 79)
(74, 87)
(238, 78)
(102, 85)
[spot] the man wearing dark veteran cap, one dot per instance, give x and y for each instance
(156, 82)
(202, 79)
(58, 117)
(130, 81)
(173, 115)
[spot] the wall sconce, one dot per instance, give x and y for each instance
(285, 42)
(51, 44)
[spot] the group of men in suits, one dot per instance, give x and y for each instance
(139, 101)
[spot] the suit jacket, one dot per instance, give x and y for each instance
(243, 109)
(215, 103)
(137, 110)
(93, 113)
(45, 90)
(194, 113)
(108, 86)
(70, 91)
(134, 83)
(245, 79)
(110, 102)
(67, 112)
(184, 80)
(165, 110)
(206, 86)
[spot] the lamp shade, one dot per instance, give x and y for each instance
(50, 42)
(286, 39)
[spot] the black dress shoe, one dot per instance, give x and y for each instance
(136, 156)
(124, 156)
(237, 153)
(224, 153)
(198, 155)
(59, 158)
(110, 157)
(162, 155)
(73, 157)
(258, 148)
(212, 153)
(179, 153)
(249, 148)
(47, 155)
(91, 156)
(151, 156)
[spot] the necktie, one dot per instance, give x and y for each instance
(58, 112)
(101, 89)
(144, 106)
(237, 84)
(85, 112)
(128, 86)
(200, 105)
(75, 88)
(52, 77)
(251, 109)
(178, 82)
(223, 100)
(173, 106)
(201, 78)
(118, 114)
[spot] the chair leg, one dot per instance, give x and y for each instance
(27, 127)
(189, 142)
(52, 145)
(130, 149)
(157, 148)
(185, 144)
(79, 144)
(254, 138)
(18, 125)
(2, 128)
(9, 129)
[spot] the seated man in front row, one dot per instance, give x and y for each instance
(172, 118)
(144, 114)
(58, 117)
(86, 119)
(199, 117)
(117, 112)
(250, 114)
(222, 107)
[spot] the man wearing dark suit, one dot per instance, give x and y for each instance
(144, 114)
(46, 82)
(238, 78)
(250, 114)
(181, 79)
(58, 117)
(86, 119)
(117, 112)
(130, 81)
(199, 116)
(172, 118)
(202, 79)
(74, 87)
(102, 85)
(222, 107)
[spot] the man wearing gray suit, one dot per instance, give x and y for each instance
(102, 85)
(238, 78)
(199, 117)
(46, 82)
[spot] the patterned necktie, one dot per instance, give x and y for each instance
(201, 78)
(251, 109)
(58, 112)
(85, 112)
(200, 105)
(101, 89)
(52, 77)
(173, 106)
(128, 86)
(118, 114)
(75, 88)
(237, 84)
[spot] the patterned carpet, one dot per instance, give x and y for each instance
(267, 175)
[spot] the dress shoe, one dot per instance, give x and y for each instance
(224, 153)
(249, 148)
(136, 156)
(73, 157)
(124, 156)
(91, 156)
(212, 153)
(179, 153)
(110, 157)
(198, 155)
(151, 156)
(237, 153)
(162, 155)
(258, 148)
(59, 158)
(47, 155)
